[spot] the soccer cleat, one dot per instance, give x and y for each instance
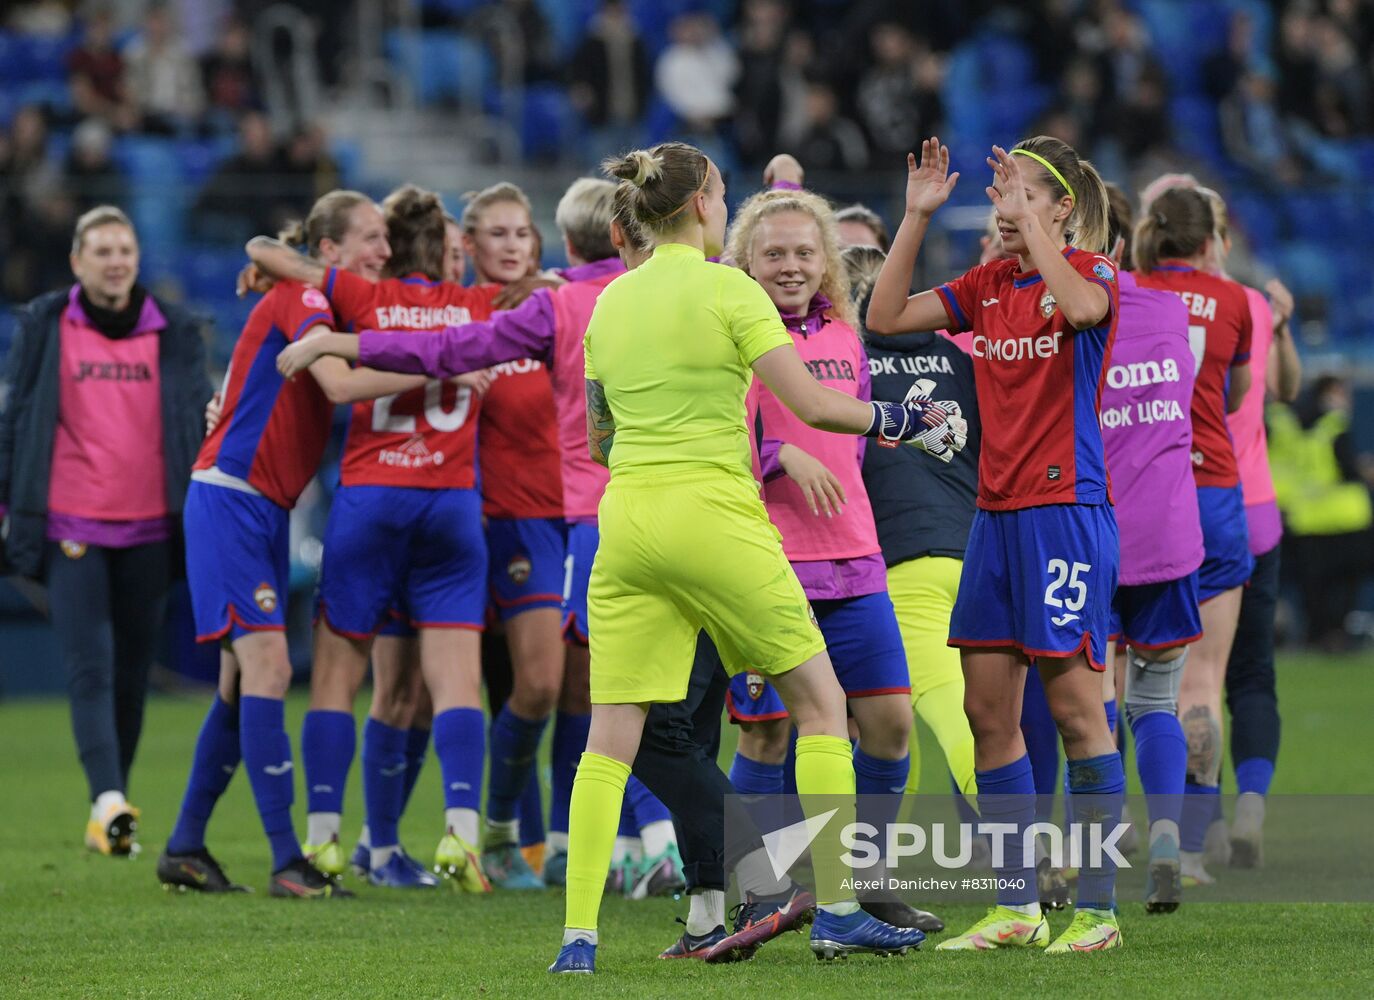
(327, 857)
(1091, 930)
(1002, 927)
(555, 873)
(1216, 843)
(658, 876)
(577, 956)
(1129, 843)
(198, 871)
(456, 860)
(361, 862)
(620, 878)
(693, 945)
(759, 919)
(1191, 869)
(506, 868)
(113, 833)
(1052, 886)
(1164, 879)
(833, 936)
(534, 857)
(401, 871)
(302, 880)
(888, 908)
(1247, 832)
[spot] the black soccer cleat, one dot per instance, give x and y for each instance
(888, 908)
(302, 880)
(198, 871)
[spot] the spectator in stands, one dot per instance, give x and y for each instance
(243, 197)
(759, 91)
(164, 81)
(34, 212)
(231, 85)
(829, 141)
(1140, 118)
(1081, 98)
(609, 79)
(1296, 62)
(696, 73)
(519, 38)
(104, 413)
(1322, 487)
(51, 18)
(91, 177)
(308, 171)
(899, 95)
(1254, 135)
(1223, 69)
(96, 73)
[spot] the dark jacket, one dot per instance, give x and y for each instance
(922, 506)
(28, 419)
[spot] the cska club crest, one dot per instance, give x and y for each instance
(755, 684)
(1047, 305)
(265, 598)
(73, 550)
(518, 569)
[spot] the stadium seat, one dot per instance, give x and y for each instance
(441, 66)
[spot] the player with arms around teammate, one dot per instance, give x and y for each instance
(405, 529)
(1147, 432)
(250, 472)
(665, 410)
(1041, 562)
(1174, 246)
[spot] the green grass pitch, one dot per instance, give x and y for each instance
(77, 925)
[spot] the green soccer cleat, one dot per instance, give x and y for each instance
(506, 868)
(457, 860)
(1001, 928)
(327, 857)
(1091, 930)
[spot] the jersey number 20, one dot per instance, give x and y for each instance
(439, 419)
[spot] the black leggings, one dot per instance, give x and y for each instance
(108, 607)
(1251, 689)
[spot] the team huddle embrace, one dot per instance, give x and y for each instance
(736, 467)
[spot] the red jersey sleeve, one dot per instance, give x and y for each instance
(1247, 328)
(300, 308)
(1100, 270)
(960, 298)
(350, 295)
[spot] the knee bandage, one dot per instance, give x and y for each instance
(1152, 686)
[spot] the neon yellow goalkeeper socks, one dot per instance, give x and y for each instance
(593, 817)
(825, 769)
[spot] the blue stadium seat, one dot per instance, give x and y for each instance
(546, 122)
(440, 65)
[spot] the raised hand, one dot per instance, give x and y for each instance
(1280, 300)
(785, 168)
(251, 279)
(929, 183)
(1008, 189)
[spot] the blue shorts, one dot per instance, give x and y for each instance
(1227, 562)
(420, 552)
(1040, 579)
(1157, 615)
(583, 539)
(238, 561)
(527, 563)
(865, 646)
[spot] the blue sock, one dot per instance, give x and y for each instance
(461, 747)
(417, 745)
(789, 766)
(752, 777)
(1006, 795)
(1161, 761)
(1110, 708)
(1099, 786)
(384, 781)
(645, 804)
(1042, 744)
(1254, 775)
(1200, 805)
(883, 782)
(328, 741)
(514, 744)
(267, 758)
(627, 827)
(531, 812)
(569, 740)
(212, 768)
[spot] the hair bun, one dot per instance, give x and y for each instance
(639, 167)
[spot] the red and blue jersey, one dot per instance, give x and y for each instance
(425, 437)
(1039, 383)
(1219, 333)
(271, 432)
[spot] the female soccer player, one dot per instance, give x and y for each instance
(1174, 246)
(250, 472)
(405, 526)
(1147, 432)
(1041, 561)
(665, 411)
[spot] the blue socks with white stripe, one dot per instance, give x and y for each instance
(267, 758)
